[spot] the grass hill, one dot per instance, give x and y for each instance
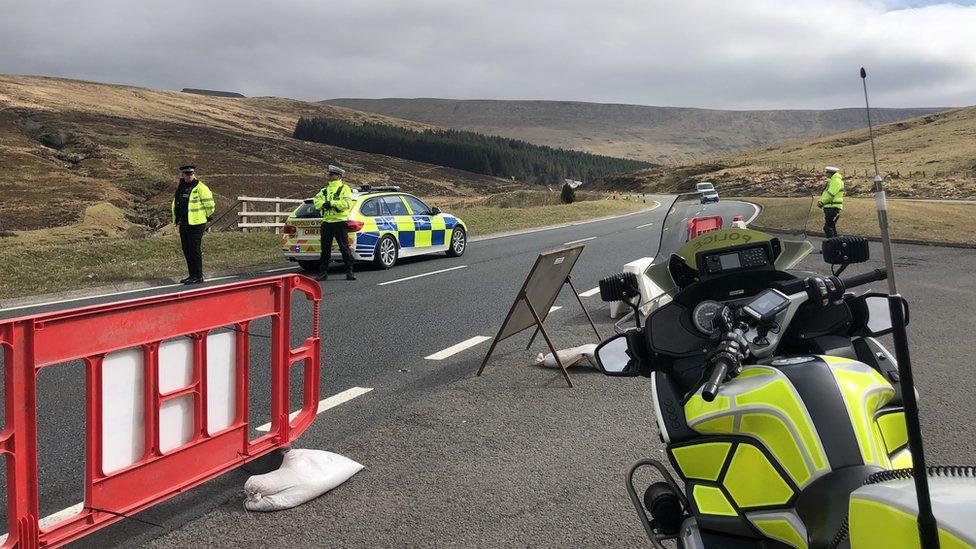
(68, 146)
(664, 135)
(931, 156)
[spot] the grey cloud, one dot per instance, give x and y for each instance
(744, 54)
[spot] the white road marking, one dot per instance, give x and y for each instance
(644, 225)
(53, 519)
(578, 241)
(421, 275)
(555, 308)
(455, 349)
(281, 269)
(221, 278)
(325, 404)
(755, 215)
(589, 293)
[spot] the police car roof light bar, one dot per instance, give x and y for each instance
(380, 189)
(928, 529)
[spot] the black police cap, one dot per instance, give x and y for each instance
(188, 169)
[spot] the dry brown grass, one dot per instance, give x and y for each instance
(67, 145)
(936, 222)
(932, 156)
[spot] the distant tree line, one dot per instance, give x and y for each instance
(469, 151)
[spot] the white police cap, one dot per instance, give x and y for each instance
(831, 169)
(336, 170)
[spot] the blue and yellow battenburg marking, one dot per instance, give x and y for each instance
(414, 231)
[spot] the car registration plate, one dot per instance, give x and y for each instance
(316, 230)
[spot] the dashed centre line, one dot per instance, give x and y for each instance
(421, 275)
(579, 241)
(591, 292)
(53, 519)
(644, 225)
(455, 349)
(325, 404)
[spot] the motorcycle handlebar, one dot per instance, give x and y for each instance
(720, 368)
(866, 278)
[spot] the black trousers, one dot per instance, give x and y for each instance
(337, 231)
(830, 221)
(191, 236)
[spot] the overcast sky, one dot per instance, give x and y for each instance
(740, 54)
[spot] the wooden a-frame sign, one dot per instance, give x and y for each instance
(534, 300)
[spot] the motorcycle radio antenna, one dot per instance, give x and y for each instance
(928, 529)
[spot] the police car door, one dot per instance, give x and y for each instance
(403, 222)
(429, 229)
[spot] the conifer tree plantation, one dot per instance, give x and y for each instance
(464, 150)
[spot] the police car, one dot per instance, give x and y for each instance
(384, 225)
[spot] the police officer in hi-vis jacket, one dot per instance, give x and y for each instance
(192, 207)
(334, 201)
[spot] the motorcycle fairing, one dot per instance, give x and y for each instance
(734, 486)
(884, 514)
(774, 430)
(762, 404)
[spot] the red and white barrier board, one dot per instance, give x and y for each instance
(166, 396)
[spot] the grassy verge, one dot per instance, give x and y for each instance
(936, 222)
(54, 268)
(491, 219)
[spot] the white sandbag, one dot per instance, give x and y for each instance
(303, 476)
(569, 356)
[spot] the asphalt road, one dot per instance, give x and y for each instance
(509, 459)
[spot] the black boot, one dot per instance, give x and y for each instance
(323, 275)
(349, 275)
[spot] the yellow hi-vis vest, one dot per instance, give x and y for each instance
(339, 196)
(201, 205)
(833, 195)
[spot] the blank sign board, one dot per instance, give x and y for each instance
(541, 288)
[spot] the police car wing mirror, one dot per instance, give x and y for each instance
(435, 211)
(845, 250)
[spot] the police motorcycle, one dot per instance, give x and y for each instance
(782, 414)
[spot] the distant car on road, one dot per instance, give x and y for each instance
(384, 225)
(707, 192)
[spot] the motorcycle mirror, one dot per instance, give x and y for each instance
(614, 356)
(872, 309)
(845, 250)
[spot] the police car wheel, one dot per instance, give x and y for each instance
(311, 266)
(459, 241)
(386, 253)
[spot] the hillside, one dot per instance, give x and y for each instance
(932, 156)
(68, 146)
(667, 135)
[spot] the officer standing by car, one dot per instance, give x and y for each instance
(192, 207)
(832, 200)
(334, 201)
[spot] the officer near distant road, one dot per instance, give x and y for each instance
(192, 208)
(334, 201)
(832, 200)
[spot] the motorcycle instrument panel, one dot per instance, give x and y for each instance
(704, 316)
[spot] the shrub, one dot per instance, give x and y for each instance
(568, 195)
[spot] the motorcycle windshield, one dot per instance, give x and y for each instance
(690, 217)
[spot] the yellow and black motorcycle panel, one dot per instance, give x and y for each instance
(777, 428)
